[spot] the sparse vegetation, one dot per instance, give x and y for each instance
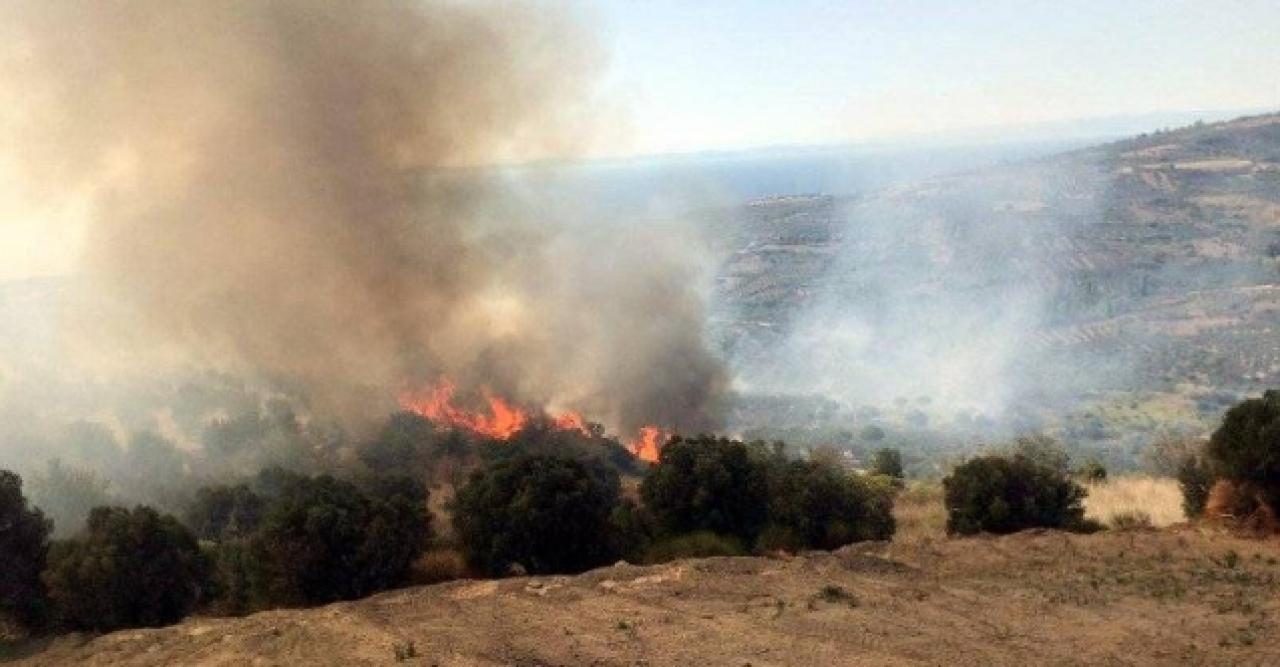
(1130, 520)
(1156, 497)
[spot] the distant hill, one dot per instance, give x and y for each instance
(1148, 264)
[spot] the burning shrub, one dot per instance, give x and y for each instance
(544, 513)
(322, 539)
(998, 494)
(130, 568)
(24, 546)
(711, 484)
(1246, 446)
(819, 506)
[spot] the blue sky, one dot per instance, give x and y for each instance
(715, 74)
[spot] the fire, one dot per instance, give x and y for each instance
(503, 420)
(648, 443)
(571, 421)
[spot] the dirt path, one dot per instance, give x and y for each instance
(1182, 596)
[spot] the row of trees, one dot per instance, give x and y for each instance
(708, 495)
(286, 539)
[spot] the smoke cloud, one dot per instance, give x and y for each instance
(291, 190)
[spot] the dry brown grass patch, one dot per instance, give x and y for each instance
(1156, 497)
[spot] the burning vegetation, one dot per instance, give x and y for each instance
(500, 419)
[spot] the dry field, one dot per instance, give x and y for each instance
(1156, 497)
(1179, 595)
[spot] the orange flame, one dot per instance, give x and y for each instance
(436, 404)
(504, 419)
(570, 421)
(648, 444)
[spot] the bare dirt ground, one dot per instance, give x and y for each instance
(1177, 596)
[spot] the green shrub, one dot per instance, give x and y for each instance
(24, 548)
(1042, 450)
(887, 461)
(631, 530)
(129, 568)
(1092, 471)
(546, 514)
(1195, 479)
(698, 544)
(1246, 446)
(224, 512)
(998, 494)
(708, 484)
(321, 539)
(820, 506)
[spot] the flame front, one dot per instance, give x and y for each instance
(503, 421)
(648, 444)
(571, 421)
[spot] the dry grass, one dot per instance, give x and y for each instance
(1157, 497)
(439, 565)
(919, 512)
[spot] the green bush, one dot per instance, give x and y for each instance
(321, 539)
(708, 484)
(820, 506)
(1246, 446)
(544, 513)
(698, 544)
(1092, 471)
(24, 548)
(1195, 479)
(887, 461)
(998, 494)
(129, 568)
(224, 512)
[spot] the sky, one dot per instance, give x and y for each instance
(719, 74)
(694, 75)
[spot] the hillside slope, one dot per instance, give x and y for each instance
(1140, 598)
(1149, 264)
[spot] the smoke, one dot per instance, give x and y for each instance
(291, 191)
(936, 298)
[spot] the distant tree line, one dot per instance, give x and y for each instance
(547, 501)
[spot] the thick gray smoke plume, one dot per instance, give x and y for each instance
(288, 190)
